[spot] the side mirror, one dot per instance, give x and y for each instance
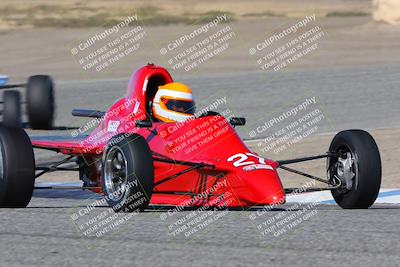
(144, 124)
(237, 121)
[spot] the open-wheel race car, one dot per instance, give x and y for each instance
(39, 100)
(136, 160)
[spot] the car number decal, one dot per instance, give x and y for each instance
(244, 160)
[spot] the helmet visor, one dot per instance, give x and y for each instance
(182, 106)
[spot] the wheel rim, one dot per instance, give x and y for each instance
(344, 169)
(115, 174)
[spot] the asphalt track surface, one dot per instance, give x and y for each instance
(44, 234)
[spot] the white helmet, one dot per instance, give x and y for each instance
(173, 102)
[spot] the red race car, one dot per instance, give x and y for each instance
(150, 147)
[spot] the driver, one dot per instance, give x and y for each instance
(173, 102)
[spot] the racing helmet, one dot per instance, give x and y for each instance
(173, 102)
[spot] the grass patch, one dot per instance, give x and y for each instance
(57, 16)
(165, 20)
(211, 15)
(78, 16)
(150, 16)
(99, 20)
(347, 14)
(264, 14)
(146, 11)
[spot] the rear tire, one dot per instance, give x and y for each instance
(12, 109)
(128, 173)
(17, 168)
(40, 102)
(361, 164)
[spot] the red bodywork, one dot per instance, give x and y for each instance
(231, 174)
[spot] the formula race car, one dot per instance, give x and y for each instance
(40, 107)
(135, 159)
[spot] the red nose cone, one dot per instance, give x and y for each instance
(270, 190)
(261, 188)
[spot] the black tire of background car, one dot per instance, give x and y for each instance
(17, 168)
(140, 166)
(367, 164)
(40, 102)
(12, 109)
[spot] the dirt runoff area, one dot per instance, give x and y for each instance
(351, 38)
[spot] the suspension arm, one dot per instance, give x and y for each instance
(53, 167)
(296, 160)
(306, 175)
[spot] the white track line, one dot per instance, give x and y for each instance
(386, 195)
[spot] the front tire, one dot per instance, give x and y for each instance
(358, 168)
(17, 168)
(128, 173)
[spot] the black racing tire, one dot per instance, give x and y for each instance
(365, 167)
(127, 173)
(40, 102)
(12, 109)
(17, 168)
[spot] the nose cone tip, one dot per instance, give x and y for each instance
(279, 199)
(271, 198)
(273, 193)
